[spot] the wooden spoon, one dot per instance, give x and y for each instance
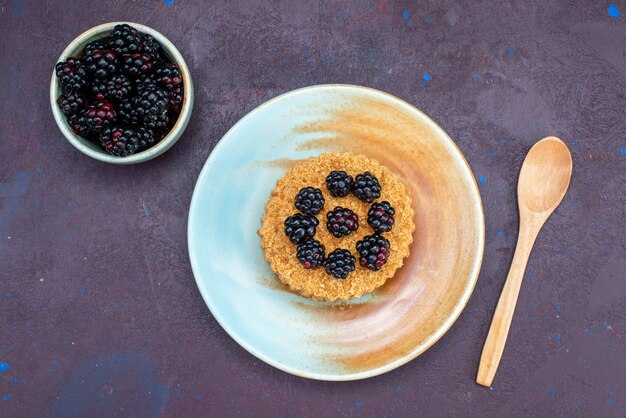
(543, 181)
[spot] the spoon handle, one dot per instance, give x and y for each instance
(499, 330)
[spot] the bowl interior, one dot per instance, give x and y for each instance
(379, 331)
(76, 48)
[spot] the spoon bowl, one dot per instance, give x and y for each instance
(545, 175)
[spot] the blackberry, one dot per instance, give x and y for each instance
(98, 114)
(95, 46)
(380, 217)
(175, 99)
(127, 113)
(71, 102)
(119, 141)
(136, 65)
(144, 81)
(339, 263)
(146, 138)
(159, 123)
(366, 187)
(310, 200)
(101, 64)
(311, 254)
(151, 102)
(78, 125)
(169, 76)
(152, 47)
(300, 228)
(339, 183)
(125, 40)
(72, 74)
(117, 88)
(341, 221)
(373, 251)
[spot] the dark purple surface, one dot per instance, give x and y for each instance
(99, 311)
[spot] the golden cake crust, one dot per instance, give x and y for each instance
(280, 253)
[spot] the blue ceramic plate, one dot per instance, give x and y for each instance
(377, 332)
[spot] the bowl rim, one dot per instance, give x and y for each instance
(83, 145)
(455, 313)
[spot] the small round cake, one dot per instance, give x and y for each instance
(337, 226)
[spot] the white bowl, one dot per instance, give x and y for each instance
(89, 147)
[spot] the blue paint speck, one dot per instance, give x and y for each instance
(609, 401)
(493, 154)
(168, 2)
(7, 295)
(19, 9)
(198, 397)
(483, 179)
(426, 76)
(622, 150)
(558, 339)
(510, 52)
(552, 390)
(613, 12)
(82, 290)
(3, 367)
(500, 233)
(37, 350)
(358, 404)
(399, 389)
(475, 74)
(56, 363)
(406, 15)
(6, 398)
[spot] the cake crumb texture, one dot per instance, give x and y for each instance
(316, 284)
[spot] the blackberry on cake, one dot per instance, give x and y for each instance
(373, 251)
(300, 228)
(341, 221)
(310, 200)
(339, 263)
(366, 187)
(310, 254)
(339, 183)
(380, 217)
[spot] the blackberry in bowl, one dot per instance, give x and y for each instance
(123, 78)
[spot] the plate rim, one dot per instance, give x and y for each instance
(420, 349)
